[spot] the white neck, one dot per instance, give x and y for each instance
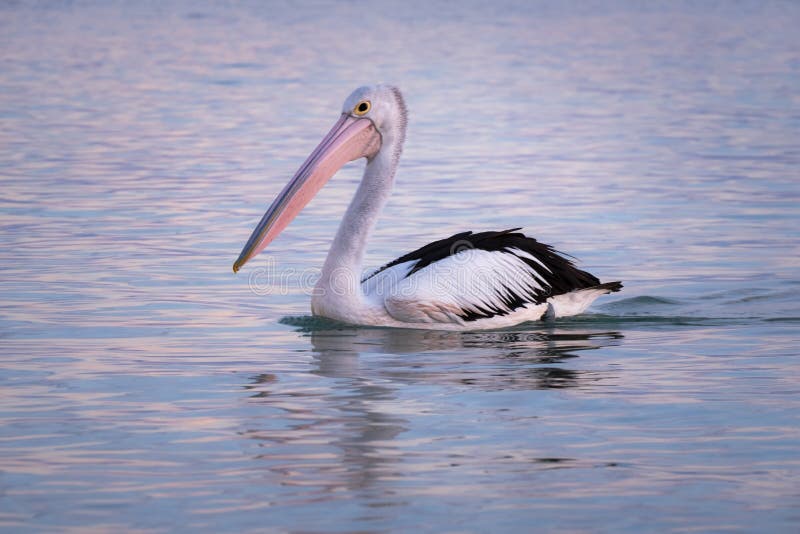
(340, 281)
(338, 293)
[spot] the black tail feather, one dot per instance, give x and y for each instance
(611, 287)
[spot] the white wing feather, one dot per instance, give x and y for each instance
(473, 281)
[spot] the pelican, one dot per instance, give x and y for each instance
(468, 281)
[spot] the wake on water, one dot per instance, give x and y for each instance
(722, 308)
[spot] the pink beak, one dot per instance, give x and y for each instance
(350, 138)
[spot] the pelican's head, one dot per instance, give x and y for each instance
(373, 120)
(384, 106)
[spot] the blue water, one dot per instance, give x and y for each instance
(145, 388)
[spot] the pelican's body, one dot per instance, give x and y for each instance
(465, 282)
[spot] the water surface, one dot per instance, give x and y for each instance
(146, 388)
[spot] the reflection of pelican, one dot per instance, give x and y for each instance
(364, 407)
(465, 282)
(488, 360)
(361, 410)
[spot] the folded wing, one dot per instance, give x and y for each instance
(469, 276)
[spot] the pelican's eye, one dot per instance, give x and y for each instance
(362, 108)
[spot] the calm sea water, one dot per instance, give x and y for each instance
(146, 388)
